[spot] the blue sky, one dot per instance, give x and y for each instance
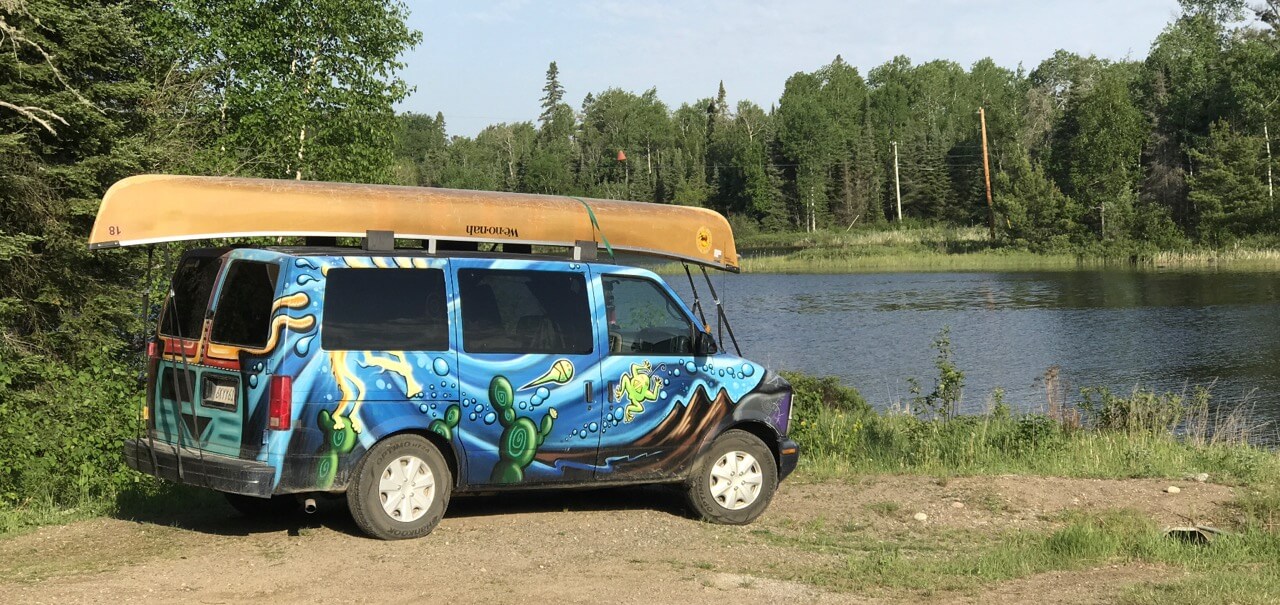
(485, 62)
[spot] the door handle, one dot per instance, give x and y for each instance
(608, 387)
(588, 394)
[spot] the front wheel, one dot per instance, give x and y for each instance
(401, 488)
(735, 479)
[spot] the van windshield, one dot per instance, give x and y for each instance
(192, 284)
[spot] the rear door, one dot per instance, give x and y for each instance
(532, 392)
(200, 392)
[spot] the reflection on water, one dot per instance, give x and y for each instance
(1166, 331)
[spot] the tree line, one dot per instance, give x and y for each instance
(1084, 152)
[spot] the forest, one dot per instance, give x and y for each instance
(1086, 154)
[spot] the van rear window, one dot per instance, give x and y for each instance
(243, 314)
(192, 284)
(524, 312)
(385, 310)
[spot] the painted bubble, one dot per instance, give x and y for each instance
(433, 406)
(691, 367)
(675, 372)
(617, 414)
(535, 401)
(542, 393)
(747, 370)
(582, 435)
(444, 383)
(440, 366)
(434, 394)
(524, 404)
(253, 381)
(303, 346)
(575, 432)
(472, 417)
(478, 408)
(382, 384)
(423, 408)
(666, 381)
(453, 385)
(662, 395)
(490, 418)
(593, 427)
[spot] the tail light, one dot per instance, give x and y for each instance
(280, 409)
(153, 349)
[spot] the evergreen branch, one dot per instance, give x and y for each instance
(30, 112)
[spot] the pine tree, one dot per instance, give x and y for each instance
(552, 94)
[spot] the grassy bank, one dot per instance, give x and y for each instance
(1111, 438)
(921, 248)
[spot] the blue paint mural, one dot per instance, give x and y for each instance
(509, 418)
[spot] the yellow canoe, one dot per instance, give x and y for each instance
(150, 209)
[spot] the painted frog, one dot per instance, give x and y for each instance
(639, 386)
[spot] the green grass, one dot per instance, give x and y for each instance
(924, 562)
(932, 248)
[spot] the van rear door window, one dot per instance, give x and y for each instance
(192, 284)
(243, 314)
(385, 310)
(524, 312)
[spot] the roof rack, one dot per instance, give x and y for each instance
(150, 209)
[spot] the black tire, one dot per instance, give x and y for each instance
(701, 482)
(365, 499)
(263, 508)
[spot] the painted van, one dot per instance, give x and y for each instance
(400, 376)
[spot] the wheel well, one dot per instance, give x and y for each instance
(764, 432)
(446, 449)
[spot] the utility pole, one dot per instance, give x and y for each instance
(897, 183)
(986, 172)
(1271, 190)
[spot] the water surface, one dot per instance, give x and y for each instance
(1167, 331)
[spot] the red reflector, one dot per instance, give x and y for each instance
(281, 403)
(153, 349)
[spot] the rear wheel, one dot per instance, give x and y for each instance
(735, 479)
(401, 488)
(275, 506)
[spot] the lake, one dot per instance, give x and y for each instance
(1117, 329)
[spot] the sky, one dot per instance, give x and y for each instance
(485, 62)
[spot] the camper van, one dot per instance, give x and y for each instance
(460, 342)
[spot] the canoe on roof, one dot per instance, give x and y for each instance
(150, 209)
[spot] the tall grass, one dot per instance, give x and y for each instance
(1143, 435)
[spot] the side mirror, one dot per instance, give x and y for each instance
(704, 344)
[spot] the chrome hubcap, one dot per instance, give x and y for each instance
(407, 488)
(736, 480)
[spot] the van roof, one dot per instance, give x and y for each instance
(151, 209)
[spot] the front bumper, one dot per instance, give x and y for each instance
(787, 461)
(201, 469)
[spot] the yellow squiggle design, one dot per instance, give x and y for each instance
(352, 396)
(292, 301)
(398, 364)
(353, 389)
(280, 323)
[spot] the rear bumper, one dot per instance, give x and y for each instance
(222, 473)
(787, 462)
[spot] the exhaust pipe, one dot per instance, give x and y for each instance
(309, 505)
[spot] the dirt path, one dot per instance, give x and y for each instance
(619, 546)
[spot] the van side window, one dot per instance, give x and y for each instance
(243, 314)
(644, 319)
(524, 312)
(385, 310)
(192, 284)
